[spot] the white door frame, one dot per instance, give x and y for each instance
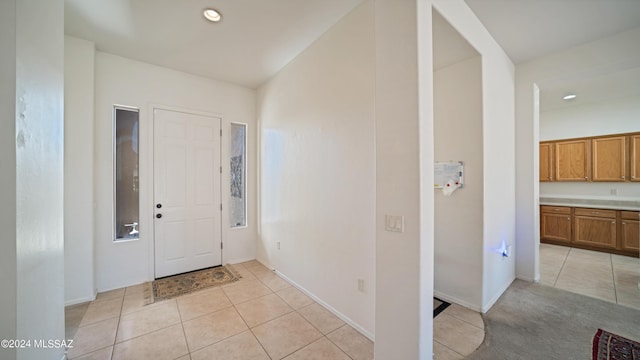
(150, 183)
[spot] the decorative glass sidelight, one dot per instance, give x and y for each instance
(238, 183)
(126, 169)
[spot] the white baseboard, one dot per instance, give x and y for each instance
(237, 261)
(79, 300)
(527, 279)
(265, 263)
(335, 312)
(491, 302)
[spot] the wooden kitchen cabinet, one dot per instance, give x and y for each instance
(613, 158)
(595, 228)
(572, 160)
(546, 161)
(555, 223)
(612, 231)
(629, 236)
(634, 161)
(608, 158)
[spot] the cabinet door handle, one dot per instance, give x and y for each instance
(622, 177)
(568, 218)
(624, 223)
(556, 209)
(595, 212)
(613, 222)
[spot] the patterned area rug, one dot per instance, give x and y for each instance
(173, 286)
(608, 346)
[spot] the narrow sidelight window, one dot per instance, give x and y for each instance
(126, 165)
(238, 180)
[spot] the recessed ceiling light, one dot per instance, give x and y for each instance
(569, 96)
(212, 15)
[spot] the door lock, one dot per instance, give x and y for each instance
(158, 216)
(159, 206)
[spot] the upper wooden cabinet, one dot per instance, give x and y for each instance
(598, 158)
(609, 158)
(634, 145)
(546, 161)
(572, 160)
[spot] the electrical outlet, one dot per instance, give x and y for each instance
(278, 245)
(394, 223)
(614, 192)
(361, 285)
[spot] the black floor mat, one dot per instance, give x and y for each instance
(440, 308)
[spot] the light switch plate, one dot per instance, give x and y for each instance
(394, 223)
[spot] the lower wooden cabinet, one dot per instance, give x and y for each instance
(555, 223)
(630, 231)
(613, 231)
(594, 230)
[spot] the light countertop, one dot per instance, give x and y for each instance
(594, 202)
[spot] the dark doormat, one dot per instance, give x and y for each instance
(439, 306)
(181, 284)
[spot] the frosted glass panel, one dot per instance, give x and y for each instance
(127, 200)
(238, 206)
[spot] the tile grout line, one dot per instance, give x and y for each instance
(451, 348)
(338, 346)
(613, 278)
(294, 311)
(184, 333)
(248, 327)
(113, 347)
(555, 282)
(147, 333)
(465, 321)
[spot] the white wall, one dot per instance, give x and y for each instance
(8, 260)
(31, 96)
(616, 53)
(78, 170)
(318, 169)
(404, 176)
(126, 82)
(459, 217)
(613, 116)
(498, 130)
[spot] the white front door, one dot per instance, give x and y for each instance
(186, 173)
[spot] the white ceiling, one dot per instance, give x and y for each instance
(598, 88)
(255, 39)
(527, 29)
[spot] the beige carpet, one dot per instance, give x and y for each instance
(533, 321)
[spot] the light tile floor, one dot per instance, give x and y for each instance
(259, 317)
(610, 277)
(457, 332)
